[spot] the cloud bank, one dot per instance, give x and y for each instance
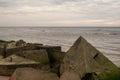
(59, 13)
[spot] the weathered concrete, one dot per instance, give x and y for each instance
(70, 76)
(51, 50)
(38, 52)
(32, 74)
(83, 58)
(36, 55)
(57, 59)
(40, 56)
(1, 51)
(14, 59)
(10, 51)
(90, 76)
(8, 66)
(4, 78)
(7, 70)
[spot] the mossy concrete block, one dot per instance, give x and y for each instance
(13, 50)
(37, 55)
(83, 58)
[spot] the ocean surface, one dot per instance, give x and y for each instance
(105, 39)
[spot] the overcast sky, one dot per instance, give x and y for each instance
(59, 12)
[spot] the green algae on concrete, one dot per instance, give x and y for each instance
(114, 75)
(5, 42)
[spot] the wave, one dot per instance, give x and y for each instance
(114, 33)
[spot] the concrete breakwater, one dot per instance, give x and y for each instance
(81, 62)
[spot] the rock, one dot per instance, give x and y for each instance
(18, 43)
(70, 76)
(11, 45)
(83, 58)
(32, 74)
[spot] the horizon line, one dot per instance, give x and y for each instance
(57, 26)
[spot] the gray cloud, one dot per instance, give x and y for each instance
(6, 3)
(95, 11)
(10, 3)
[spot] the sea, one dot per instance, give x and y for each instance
(105, 39)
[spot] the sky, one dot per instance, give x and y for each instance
(59, 12)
